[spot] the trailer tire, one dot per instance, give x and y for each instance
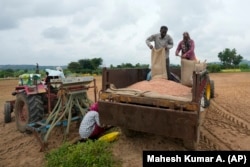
(7, 112)
(28, 109)
(212, 88)
(205, 100)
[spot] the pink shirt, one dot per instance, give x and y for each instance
(188, 48)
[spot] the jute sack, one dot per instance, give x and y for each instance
(200, 66)
(158, 63)
(139, 93)
(187, 68)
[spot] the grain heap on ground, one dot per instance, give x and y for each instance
(163, 87)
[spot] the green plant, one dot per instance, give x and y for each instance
(88, 154)
(244, 66)
(213, 68)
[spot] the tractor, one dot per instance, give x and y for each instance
(35, 100)
(32, 98)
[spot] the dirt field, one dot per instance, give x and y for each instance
(225, 127)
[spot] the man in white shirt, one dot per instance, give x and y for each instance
(162, 40)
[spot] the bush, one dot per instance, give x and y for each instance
(88, 154)
(244, 66)
(212, 68)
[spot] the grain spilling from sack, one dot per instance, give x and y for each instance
(162, 86)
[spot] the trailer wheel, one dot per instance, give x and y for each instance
(28, 109)
(212, 88)
(205, 100)
(7, 112)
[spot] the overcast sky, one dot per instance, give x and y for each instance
(57, 32)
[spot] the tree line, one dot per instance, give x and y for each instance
(228, 59)
(82, 66)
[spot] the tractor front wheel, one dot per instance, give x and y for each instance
(28, 109)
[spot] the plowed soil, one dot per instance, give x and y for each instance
(226, 126)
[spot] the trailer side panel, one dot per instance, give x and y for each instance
(154, 120)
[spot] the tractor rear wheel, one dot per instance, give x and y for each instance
(28, 109)
(7, 112)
